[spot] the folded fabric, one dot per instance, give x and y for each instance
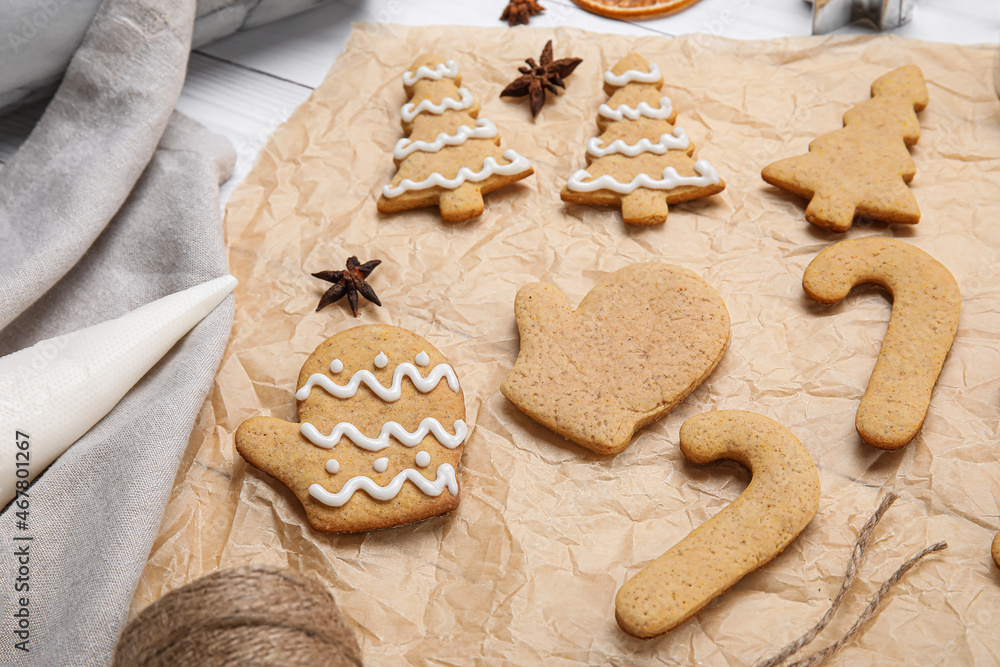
(111, 203)
(40, 36)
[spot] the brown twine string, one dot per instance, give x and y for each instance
(251, 615)
(857, 556)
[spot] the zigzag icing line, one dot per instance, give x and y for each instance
(445, 478)
(517, 164)
(652, 76)
(485, 129)
(643, 109)
(391, 393)
(393, 429)
(410, 111)
(448, 68)
(671, 179)
(679, 139)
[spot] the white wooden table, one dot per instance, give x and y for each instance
(246, 85)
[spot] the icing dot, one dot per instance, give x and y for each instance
(423, 459)
(381, 464)
(423, 359)
(336, 366)
(333, 466)
(381, 361)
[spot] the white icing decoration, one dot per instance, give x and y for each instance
(448, 68)
(423, 459)
(381, 465)
(652, 76)
(391, 393)
(485, 129)
(625, 111)
(678, 139)
(445, 479)
(517, 164)
(333, 466)
(671, 179)
(381, 361)
(410, 111)
(423, 359)
(336, 366)
(429, 425)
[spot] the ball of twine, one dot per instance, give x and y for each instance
(251, 615)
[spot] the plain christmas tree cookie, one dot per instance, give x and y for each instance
(380, 434)
(862, 169)
(450, 158)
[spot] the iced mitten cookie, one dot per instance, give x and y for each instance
(641, 162)
(926, 304)
(780, 501)
(644, 338)
(380, 436)
(862, 169)
(449, 159)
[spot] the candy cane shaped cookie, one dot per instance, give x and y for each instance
(926, 305)
(779, 502)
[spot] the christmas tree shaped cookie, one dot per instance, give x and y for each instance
(863, 168)
(380, 434)
(449, 158)
(641, 161)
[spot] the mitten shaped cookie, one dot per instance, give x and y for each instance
(641, 162)
(862, 169)
(380, 436)
(644, 338)
(449, 159)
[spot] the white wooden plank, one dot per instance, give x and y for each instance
(242, 105)
(302, 48)
(956, 21)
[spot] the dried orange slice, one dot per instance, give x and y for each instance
(634, 9)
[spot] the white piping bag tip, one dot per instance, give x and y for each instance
(53, 392)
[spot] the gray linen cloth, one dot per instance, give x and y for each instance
(111, 203)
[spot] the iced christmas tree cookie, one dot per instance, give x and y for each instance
(642, 161)
(863, 168)
(380, 434)
(449, 158)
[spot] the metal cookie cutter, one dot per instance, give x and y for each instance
(828, 15)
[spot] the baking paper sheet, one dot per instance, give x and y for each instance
(526, 570)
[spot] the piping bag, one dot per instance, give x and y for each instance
(53, 392)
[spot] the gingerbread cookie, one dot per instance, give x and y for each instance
(641, 162)
(925, 309)
(380, 436)
(644, 338)
(862, 169)
(996, 549)
(449, 158)
(780, 501)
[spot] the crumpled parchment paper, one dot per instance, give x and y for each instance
(526, 570)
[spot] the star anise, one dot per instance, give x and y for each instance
(535, 79)
(519, 12)
(350, 281)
